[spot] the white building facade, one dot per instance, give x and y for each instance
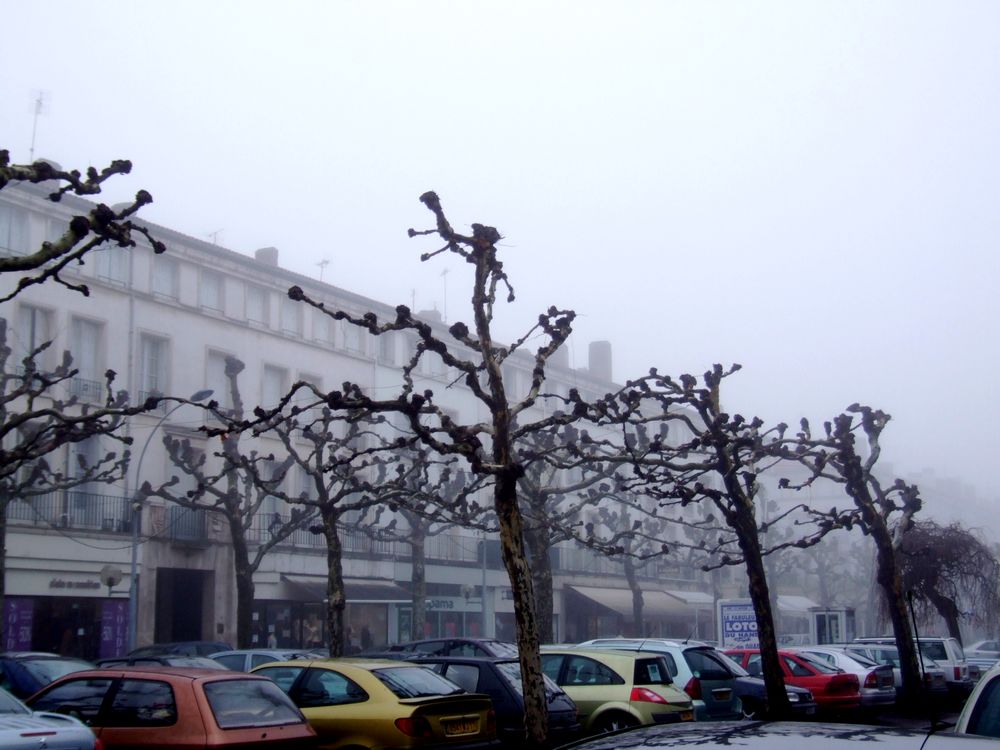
(165, 324)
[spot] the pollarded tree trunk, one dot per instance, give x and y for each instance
(538, 544)
(418, 579)
(745, 524)
(526, 624)
(948, 610)
(244, 583)
(336, 594)
(637, 602)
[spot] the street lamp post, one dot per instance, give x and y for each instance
(133, 589)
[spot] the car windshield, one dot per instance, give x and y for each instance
(48, 670)
(11, 705)
(415, 682)
(250, 703)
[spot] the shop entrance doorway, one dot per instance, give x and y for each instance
(180, 596)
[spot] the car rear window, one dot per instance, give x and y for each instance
(816, 664)
(705, 666)
(651, 672)
(415, 682)
(49, 670)
(142, 703)
(250, 703)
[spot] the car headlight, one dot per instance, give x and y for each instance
(793, 697)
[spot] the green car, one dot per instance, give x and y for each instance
(617, 689)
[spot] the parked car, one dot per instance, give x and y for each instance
(24, 673)
(379, 704)
(615, 689)
(159, 660)
(887, 653)
(24, 729)
(182, 648)
(947, 652)
(752, 692)
(244, 660)
(981, 713)
(500, 678)
(178, 707)
(456, 647)
(878, 687)
(988, 650)
(695, 668)
(833, 689)
(780, 735)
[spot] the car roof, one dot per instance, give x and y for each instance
(190, 673)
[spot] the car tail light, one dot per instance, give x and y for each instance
(693, 688)
(491, 722)
(871, 681)
(846, 683)
(645, 695)
(958, 673)
(414, 726)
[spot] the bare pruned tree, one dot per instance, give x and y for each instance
(884, 513)
(237, 484)
(100, 228)
(487, 446)
(685, 450)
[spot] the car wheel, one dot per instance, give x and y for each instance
(614, 722)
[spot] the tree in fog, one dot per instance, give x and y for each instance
(101, 229)
(237, 482)
(951, 572)
(38, 421)
(884, 513)
(685, 450)
(489, 446)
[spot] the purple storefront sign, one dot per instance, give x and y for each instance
(114, 627)
(18, 616)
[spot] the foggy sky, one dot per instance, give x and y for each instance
(808, 189)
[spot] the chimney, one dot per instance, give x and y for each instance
(267, 255)
(600, 360)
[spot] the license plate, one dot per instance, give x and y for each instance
(722, 695)
(687, 715)
(461, 726)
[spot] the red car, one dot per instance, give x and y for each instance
(178, 707)
(833, 689)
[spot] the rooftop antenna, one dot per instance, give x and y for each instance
(39, 107)
(322, 267)
(214, 235)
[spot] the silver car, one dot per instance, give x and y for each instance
(887, 653)
(245, 659)
(23, 729)
(878, 687)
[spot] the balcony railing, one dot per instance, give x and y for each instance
(86, 390)
(75, 509)
(187, 525)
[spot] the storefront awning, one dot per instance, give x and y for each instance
(313, 589)
(793, 603)
(694, 599)
(654, 603)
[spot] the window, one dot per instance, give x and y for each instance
(111, 264)
(291, 316)
(283, 677)
(466, 676)
(85, 348)
(215, 378)
(353, 338)
(274, 385)
(33, 329)
(323, 328)
(166, 277)
(387, 348)
(152, 366)
(80, 698)
(324, 687)
(250, 703)
(14, 239)
(210, 291)
(583, 671)
(257, 307)
(142, 703)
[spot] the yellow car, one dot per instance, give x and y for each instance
(617, 689)
(384, 705)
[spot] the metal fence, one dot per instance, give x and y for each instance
(73, 509)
